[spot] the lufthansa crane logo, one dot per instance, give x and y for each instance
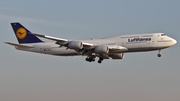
(21, 33)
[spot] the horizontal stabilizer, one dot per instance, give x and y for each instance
(19, 45)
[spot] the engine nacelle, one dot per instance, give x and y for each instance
(75, 45)
(101, 49)
(117, 56)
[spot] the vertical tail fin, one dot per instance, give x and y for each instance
(23, 35)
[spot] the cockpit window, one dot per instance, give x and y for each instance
(163, 34)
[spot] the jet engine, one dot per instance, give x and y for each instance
(117, 56)
(101, 49)
(75, 45)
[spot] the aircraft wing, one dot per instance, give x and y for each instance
(50, 37)
(81, 47)
(19, 45)
(61, 41)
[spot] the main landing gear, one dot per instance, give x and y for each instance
(92, 59)
(89, 59)
(100, 60)
(159, 55)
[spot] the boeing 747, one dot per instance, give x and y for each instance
(104, 48)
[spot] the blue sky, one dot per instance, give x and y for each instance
(138, 77)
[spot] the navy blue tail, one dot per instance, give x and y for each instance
(23, 35)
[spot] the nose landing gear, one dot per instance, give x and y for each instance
(159, 55)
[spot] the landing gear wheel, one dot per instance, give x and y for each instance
(87, 59)
(93, 59)
(159, 55)
(99, 61)
(90, 59)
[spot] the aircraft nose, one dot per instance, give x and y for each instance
(174, 41)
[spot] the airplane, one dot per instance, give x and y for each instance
(103, 48)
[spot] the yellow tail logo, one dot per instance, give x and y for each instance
(21, 33)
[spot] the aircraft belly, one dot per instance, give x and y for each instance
(117, 51)
(144, 49)
(63, 52)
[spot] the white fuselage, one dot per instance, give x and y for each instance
(133, 43)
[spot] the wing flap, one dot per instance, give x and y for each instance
(19, 45)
